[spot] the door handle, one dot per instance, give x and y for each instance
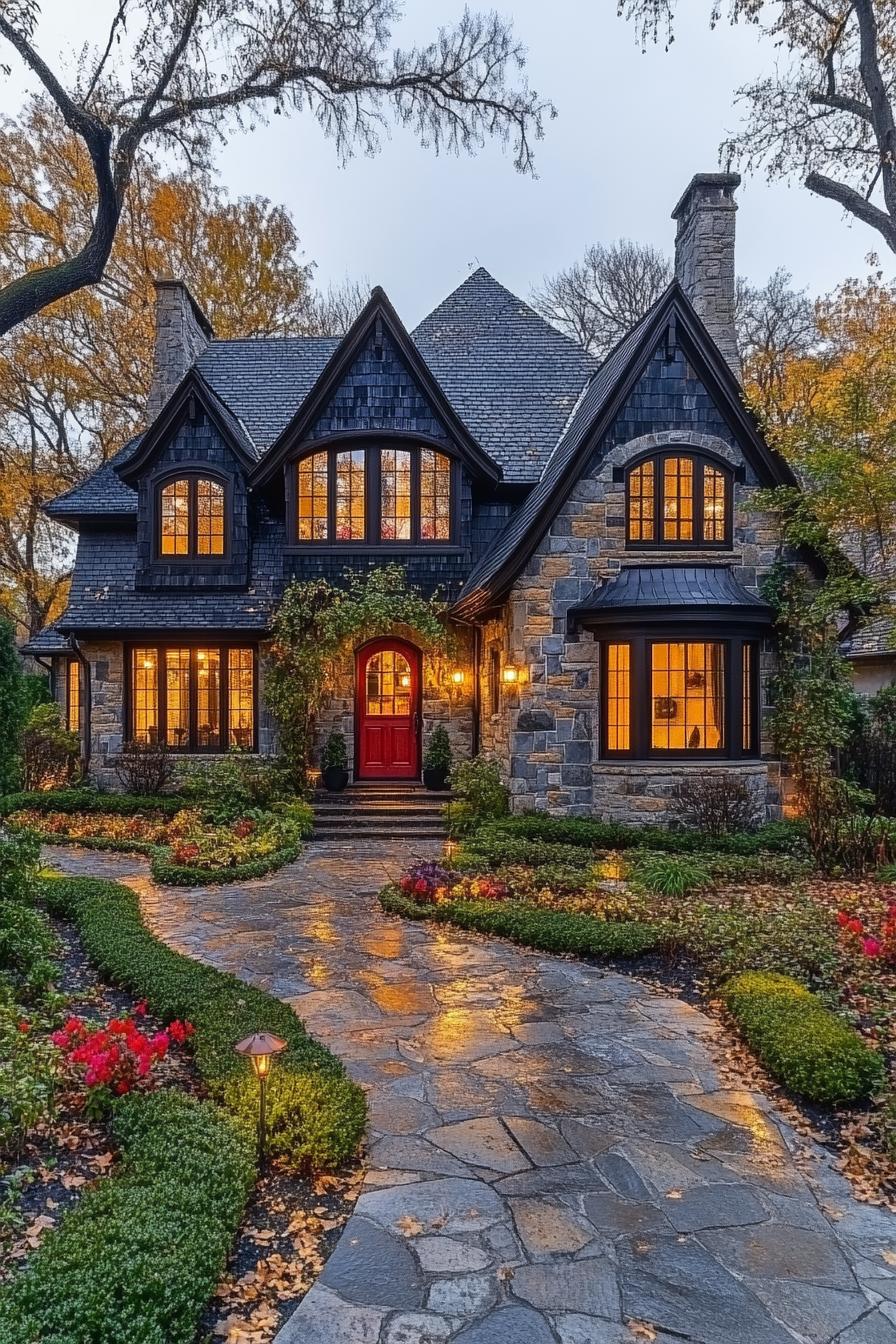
(416, 721)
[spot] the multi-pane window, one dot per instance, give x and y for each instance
(186, 697)
(395, 495)
(668, 696)
(314, 496)
(678, 499)
(351, 509)
(73, 696)
(687, 692)
(435, 496)
(192, 517)
(619, 667)
(494, 681)
(642, 490)
(378, 495)
(388, 685)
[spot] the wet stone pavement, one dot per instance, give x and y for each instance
(553, 1156)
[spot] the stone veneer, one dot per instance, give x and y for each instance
(547, 741)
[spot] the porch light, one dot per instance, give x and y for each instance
(260, 1049)
(457, 677)
(510, 673)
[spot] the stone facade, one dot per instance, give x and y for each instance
(182, 333)
(547, 737)
(704, 256)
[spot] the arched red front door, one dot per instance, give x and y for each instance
(387, 697)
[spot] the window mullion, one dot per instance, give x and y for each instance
(415, 495)
(699, 516)
(331, 494)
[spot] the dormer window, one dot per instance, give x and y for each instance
(678, 500)
(379, 495)
(191, 513)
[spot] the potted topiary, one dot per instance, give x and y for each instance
(437, 760)
(334, 763)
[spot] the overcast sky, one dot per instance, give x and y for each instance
(631, 131)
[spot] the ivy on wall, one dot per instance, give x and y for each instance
(315, 624)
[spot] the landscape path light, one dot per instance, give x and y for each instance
(261, 1048)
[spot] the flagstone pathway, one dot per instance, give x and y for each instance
(554, 1157)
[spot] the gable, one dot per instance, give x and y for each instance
(667, 374)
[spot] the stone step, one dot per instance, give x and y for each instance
(349, 835)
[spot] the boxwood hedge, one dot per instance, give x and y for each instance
(90, 800)
(135, 1261)
(776, 837)
(801, 1042)
(316, 1113)
(547, 930)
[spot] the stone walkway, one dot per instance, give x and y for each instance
(553, 1153)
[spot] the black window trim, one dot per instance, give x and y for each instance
(701, 457)
(372, 447)
(640, 641)
(193, 473)
(160, 647)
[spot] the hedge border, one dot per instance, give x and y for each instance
(801, 1042)
(89, 800)
(109, 1269)
(547, 930)
(316, 1113)
(164, 872)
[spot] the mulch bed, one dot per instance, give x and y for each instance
(290, 1226)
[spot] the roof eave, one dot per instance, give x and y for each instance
(191, 385)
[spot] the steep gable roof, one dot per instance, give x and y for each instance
(601, 401)
(378, 314)
(265, 380)
(192, 388)
(512, 377)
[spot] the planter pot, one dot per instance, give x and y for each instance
(335, 778)
(436, 779)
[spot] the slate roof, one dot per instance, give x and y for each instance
(265, 381)
(50, 640)
(104, 597)
(642, 587)
(877, 639)
(103, 494)
(512, 377)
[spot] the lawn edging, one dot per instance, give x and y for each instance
(316, 1114)
(90, 800)
(141, 1253)
(802, 1043)
(547, 930)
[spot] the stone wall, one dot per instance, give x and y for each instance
(549, 748)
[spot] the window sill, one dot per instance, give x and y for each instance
(695, 762)
(375, 548)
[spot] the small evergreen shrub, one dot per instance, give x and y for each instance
(438, 750)
(774, 837)
(89, 800)
(670, 874)
(27, 945)
(477, 784)
(801, 1042)
(136, 1260)
(335, 753)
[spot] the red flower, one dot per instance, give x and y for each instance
(24, 1027)
(842, 919)
(855, 926)
(140, 1008)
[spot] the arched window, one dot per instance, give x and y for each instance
(192, 511)
(678, 499)
(387, 494)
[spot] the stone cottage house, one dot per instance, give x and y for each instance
(592, 527)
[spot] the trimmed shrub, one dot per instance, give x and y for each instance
(89, 800)
(547, 930)
(670, 874)
(170, 874)
(234, 783)
(135, 1261)
(801, 1042)
(321, 1124)
(775, 837)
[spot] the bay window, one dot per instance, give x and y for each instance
(668, 696)
(192, 698)
(380, 495)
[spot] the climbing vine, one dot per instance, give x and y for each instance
(315, 624)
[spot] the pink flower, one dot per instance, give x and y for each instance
(872, 947)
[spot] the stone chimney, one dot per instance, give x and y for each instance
(182, 333)
(704, 256)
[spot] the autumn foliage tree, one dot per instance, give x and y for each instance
(74, 379)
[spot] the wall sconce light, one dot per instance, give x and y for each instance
(457, 677)
(260, 1049)
(510, 674)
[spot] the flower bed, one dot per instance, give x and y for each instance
(316, 1114)
(139, 1255)
(186, 846)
